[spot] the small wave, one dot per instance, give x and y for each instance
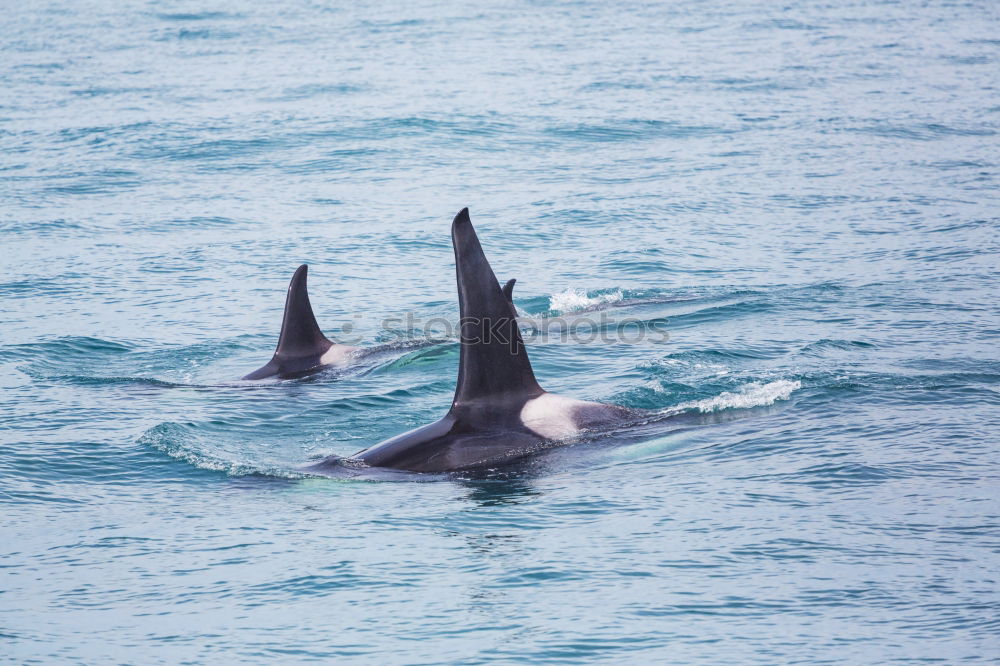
(747, 396)
(575, 300)
(198, 16)
(94, 380)
(69, 348)
(828, 344)
(632, 130)
(431, 354)
(178, 442)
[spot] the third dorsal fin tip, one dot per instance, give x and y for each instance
(508, 289)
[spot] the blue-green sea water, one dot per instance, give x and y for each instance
(803, 195)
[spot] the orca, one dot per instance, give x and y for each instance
(302, 347)
(499, 413)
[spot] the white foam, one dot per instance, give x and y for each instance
(750, 395)
(574, 300)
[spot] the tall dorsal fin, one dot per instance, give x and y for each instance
(301, 342)
(493, 363)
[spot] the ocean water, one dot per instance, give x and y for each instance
(803, 196)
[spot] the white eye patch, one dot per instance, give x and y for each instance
(551, 416)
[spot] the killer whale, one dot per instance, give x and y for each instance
(499, 412)
(302, 347)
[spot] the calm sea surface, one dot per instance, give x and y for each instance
(804, 196)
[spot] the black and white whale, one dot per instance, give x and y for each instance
(302, 347)
(499, 413)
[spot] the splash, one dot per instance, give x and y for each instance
(749, 395)
(575, 300)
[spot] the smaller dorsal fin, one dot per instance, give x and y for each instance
(508, 290)
(301, 343)
(300, 334)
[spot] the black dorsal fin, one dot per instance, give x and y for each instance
(301, 343)
(300, 334)
(493, 364)
(508, 290)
